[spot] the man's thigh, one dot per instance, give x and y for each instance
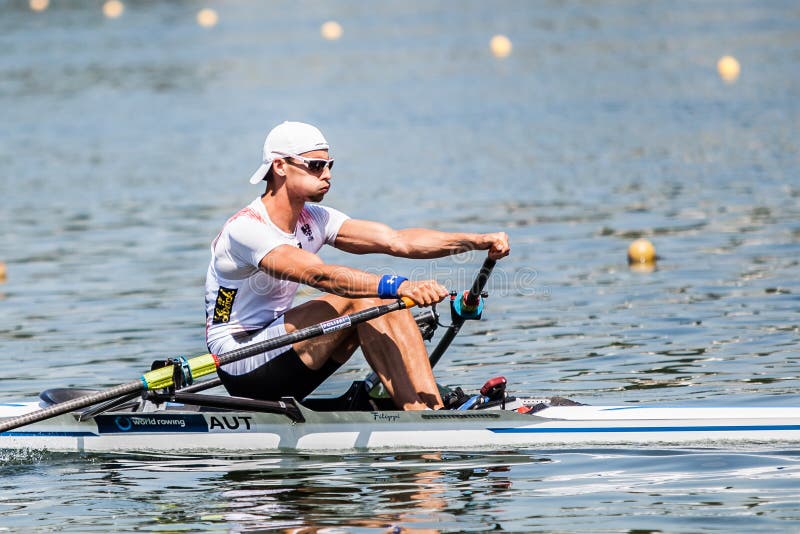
(338, 345)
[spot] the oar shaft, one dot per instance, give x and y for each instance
(70, 405)
(209, 363)
(205, 364)
(340, 323)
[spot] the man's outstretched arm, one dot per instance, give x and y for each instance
(364, 237)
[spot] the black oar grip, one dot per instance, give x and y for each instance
(480, 282)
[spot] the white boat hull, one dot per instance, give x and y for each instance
(177, 430)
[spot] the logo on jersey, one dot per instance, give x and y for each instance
(224, 305)
(306, 229)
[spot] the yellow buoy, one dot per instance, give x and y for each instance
(500, 46)
(113, 9)
(207, 18)
(641, 252)
(728, 68)
(39, 5)
(2, 272)
(331, 30)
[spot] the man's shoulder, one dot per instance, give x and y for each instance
(249, 213)
(316, 209)
(321, 213)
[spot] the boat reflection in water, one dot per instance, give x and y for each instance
(419, 491)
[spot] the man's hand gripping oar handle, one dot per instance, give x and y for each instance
(205, 364)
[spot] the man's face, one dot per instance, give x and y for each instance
(310, 174)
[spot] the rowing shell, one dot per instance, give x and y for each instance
(172, 428)
(163, 411)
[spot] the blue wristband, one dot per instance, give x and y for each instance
(387, 287)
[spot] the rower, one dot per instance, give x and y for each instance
(270, 246)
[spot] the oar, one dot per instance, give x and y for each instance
(204, 365)
(469, 301)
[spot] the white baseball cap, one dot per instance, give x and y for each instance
(288, 138)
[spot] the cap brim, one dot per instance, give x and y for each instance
(260, 173)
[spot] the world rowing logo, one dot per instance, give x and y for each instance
(123, 423)
(135, 424)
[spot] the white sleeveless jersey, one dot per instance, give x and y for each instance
(239, 296)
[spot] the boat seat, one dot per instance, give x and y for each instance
(57, 395)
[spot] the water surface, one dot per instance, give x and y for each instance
(126, 143)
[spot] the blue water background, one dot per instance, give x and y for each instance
(126, 143)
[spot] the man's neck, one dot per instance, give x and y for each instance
(282, 212)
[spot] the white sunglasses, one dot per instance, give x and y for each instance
(313, 164)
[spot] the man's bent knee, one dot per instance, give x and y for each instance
(346, 305)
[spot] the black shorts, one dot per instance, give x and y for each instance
(283, 376)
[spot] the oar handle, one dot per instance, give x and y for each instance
(471, 299)
(480, 282)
